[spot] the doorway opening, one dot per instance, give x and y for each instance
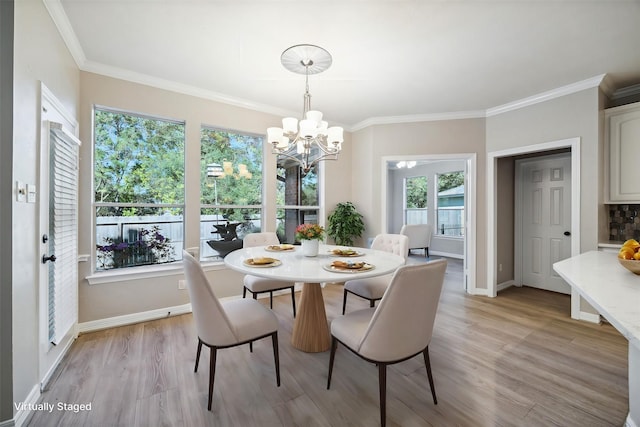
(499, 237)
(451, 240)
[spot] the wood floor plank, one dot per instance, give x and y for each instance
(518, 359)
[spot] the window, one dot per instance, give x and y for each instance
(450, 210)
(139, 189)
(230, 189)
(415, 200)
(296, 199)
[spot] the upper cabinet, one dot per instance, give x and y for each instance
(622, 130)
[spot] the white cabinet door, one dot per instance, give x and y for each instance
(624, 153)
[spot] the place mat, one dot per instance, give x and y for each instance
(280, 248)
(263, 262)
(348, 268)
(349, 253)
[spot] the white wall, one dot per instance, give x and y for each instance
(40, 55)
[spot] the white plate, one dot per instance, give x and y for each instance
(274, 248)
(355, 254)
(366, 267)
(249, 263)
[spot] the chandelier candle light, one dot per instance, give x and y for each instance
(309, 140)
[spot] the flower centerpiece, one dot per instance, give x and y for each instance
(310, 236)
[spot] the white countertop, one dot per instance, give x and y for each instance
(609, 287)
(296, 267)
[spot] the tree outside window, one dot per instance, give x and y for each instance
(139, 189)
(230, 189)
(416, 192)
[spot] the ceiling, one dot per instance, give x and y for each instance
(393, 60)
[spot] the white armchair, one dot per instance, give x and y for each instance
(419, 236)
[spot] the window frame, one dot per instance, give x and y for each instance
(95, 205)
(261, 207)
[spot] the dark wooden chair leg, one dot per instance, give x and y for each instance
(212, 374)
(276, 356)
(255, 295)
(334, 345)
(293, 301)
(427, 363)
(251, 346)
(382, 378)
(244, 292)
(198, 355)
(344, 301)
(271, 300)
(427, 251)
(372, 303)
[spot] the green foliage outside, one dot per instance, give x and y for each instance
(417, 192)
(137, 160)
(218, 146)
(417, 188)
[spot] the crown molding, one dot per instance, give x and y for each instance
(458, 115)
(61, 21)
(547, 96)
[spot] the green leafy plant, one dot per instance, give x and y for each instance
(345, 224)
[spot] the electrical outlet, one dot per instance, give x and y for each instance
(182, 284)
(499, 267)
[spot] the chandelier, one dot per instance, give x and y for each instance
(309, 140)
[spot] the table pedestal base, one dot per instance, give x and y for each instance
(310, 329)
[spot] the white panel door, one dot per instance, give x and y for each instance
(545, 209)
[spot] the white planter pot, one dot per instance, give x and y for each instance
(310, 247)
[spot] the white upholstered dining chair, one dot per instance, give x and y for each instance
(399, 328)
(229, 324)
(419, 236)
(373, 288)
(257, 285)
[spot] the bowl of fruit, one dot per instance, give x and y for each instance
(629, 256)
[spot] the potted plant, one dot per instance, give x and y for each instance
(345, 224)
(309, 235)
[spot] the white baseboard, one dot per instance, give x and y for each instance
(22, 415)
(504, 285)
(629, 422)
(128, 319)
(479, 292)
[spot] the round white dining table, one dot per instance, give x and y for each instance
(310, 328)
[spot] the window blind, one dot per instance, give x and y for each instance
(63, 231)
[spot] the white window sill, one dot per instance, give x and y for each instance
(445, 237)
(147, 272)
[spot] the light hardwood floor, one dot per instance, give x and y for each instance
(514, 360)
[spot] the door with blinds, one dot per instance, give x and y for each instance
(60, 241)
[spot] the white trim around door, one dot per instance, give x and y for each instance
(492, 159)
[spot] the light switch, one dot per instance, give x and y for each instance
(31, 193)
(21, 192)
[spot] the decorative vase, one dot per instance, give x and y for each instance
(310, 247)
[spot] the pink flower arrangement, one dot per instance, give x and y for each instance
(309, 232)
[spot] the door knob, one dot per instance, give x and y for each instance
(51, 258)
(567, 233)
